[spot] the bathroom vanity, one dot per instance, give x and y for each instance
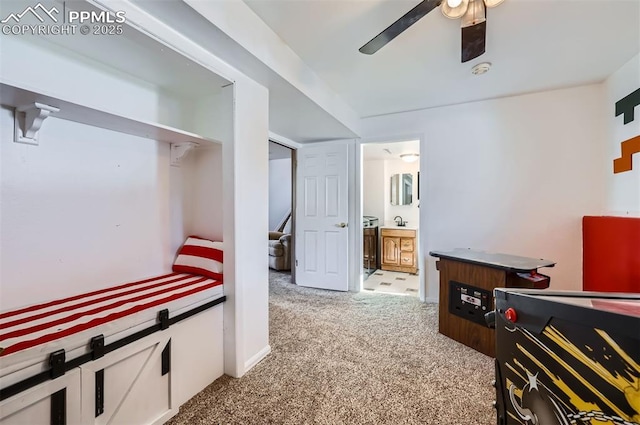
(398, 249)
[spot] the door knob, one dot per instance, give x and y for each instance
(343, 225)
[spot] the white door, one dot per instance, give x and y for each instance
(321, 259)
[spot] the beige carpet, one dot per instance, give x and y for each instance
(343, 358)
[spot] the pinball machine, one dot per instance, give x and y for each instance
(567, 357)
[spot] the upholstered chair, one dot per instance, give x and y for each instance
(280, 246)
(279, 251)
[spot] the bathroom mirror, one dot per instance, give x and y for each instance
(401, 189)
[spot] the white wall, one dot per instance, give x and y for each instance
(623, 189)
(202, 190)
(211, 115)
(279, 190)
(88, 208)
(107, 204)
(245, 179)
(244, 169)
(373, 188)
(86, 82)
(512, 175)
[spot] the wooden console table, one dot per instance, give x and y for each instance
(467, 281)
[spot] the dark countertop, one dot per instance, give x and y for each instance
(489, 259)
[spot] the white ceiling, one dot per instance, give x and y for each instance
(132, 53)
(291, 114)
(533, 45)
(376, 151)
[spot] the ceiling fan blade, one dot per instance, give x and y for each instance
(473, 41)
(395, 29)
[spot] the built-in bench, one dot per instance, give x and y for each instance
(131, 353)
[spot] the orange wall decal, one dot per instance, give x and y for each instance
(625, 162)
(626, 107)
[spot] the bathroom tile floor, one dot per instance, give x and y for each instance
(396, 283)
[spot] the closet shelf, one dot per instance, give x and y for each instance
(17, 97)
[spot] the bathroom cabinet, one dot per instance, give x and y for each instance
(399, 250)
(370, 249)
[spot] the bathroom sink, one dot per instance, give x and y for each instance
(391, 225)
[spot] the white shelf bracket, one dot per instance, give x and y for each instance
(179, 151)
(28, 121)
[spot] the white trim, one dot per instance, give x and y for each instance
(355, 283)
(284, 141)
(395, 139)
(179, 151)
(233, 317)
(28, 120)
(333, 142)
(255, 359)
(354, 256)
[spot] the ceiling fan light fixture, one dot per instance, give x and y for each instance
(409, 157)
(481, 68)
(475, 14)
(454, 9)
(492, 3)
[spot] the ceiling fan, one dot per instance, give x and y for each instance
(473, 22)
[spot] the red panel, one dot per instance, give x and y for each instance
(611, 254)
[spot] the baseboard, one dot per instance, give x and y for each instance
(254, 360)
(432, 300)
(164, 418)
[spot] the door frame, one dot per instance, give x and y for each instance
(357, 277)
(276, 138)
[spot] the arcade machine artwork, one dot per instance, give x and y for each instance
(561, 363)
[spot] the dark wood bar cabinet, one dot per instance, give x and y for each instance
(467, 281)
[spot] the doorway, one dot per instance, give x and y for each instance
(390, 182)
(281, 208)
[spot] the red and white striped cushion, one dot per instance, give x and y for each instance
(200, 256)
(42, 324)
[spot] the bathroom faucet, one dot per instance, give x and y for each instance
(400, 222)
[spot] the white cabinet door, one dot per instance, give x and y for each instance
(33, 406)
(135, 390)
(321, 217)
(197, 353)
